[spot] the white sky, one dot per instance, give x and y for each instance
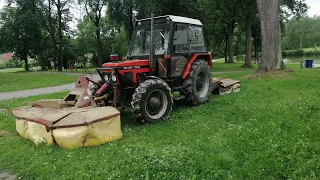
(314, 6)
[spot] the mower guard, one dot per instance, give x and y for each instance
(69, 122)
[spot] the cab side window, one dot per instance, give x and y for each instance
(196, 39)
(180, 39)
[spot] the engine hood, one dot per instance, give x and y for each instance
(129, 64)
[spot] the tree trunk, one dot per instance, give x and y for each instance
(230, 41)
(25, 58)
(130, 12)
(280, 65)
(225, 52)
(270, 34)
(60, 60)
(247, 63)
(256, 50)
(99, 47)
(43, 62)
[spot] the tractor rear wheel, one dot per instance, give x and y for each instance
(198, 85)
(152, 101)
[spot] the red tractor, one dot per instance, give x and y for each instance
(167, 54)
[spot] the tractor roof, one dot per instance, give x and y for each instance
(178, 19)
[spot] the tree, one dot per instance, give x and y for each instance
(20, 31)
(301, 32)
(54, 17)
(270, 32)
(93, 9)
(249, 12)
(121, 12)
(60, 6)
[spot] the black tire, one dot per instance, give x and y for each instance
(152, 101)
(198, 85)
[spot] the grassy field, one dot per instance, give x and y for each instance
(270, 130)
(31, 80)
(223, 67)
(311, 49)
(11, 70)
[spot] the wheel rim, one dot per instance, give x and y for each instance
(156, 104)
(202, 84)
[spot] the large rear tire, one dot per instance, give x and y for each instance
(152, 101)
(198, 86)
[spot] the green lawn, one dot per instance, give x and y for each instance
(223, 67)
(31, 80)
(11, 70)
(270, 130)
(237, 66)
(311, 49)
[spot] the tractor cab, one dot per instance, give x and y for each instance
(176, 39)
(173, 35)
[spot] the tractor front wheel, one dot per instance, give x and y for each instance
(152, 101)
(198, 86)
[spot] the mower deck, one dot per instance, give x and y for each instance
(69, 127)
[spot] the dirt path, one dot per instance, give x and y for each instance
(7, 176)
(66, 87)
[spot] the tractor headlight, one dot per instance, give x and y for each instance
(114, 78)
(106, 78)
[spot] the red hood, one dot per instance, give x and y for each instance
(128, 63)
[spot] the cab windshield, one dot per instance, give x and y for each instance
(142, 38)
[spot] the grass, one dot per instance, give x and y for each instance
(270, 130)
(237, 66)
(225, 67)
(310, 49)
(31, 80)
(11, 70)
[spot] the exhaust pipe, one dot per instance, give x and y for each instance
(152, 46)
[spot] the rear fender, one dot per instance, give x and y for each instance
(205, 56)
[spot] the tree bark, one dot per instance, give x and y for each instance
(270, 34)
(230, 41)
(225, 52)
(256, 50)
(25, 58)
(99, 47)
(247, 63)
(59, 8)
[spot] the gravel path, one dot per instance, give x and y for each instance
(35, 92)
(66, 87)
(39, 91)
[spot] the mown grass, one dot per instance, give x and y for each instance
(237, 66)
(31, 80)
(10, 70)
(270, 130)
(225, 67)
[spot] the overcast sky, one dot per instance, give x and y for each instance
(313, 4)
